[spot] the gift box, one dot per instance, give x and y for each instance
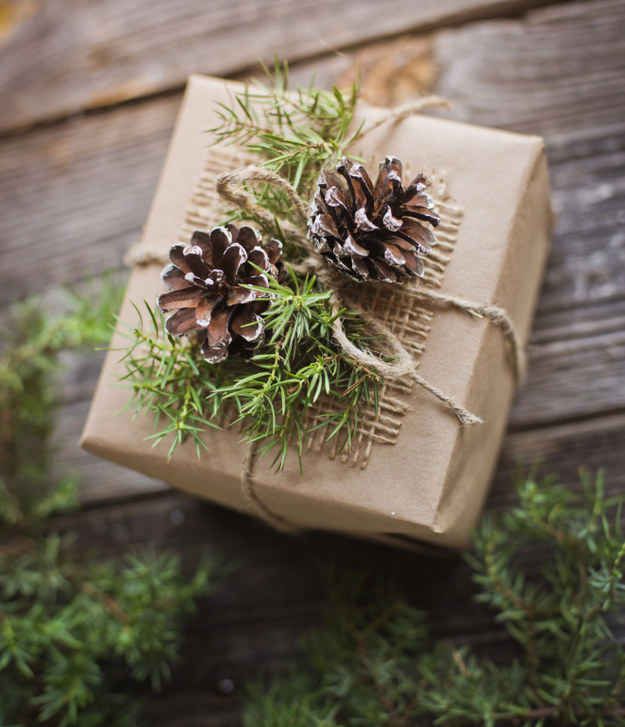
(413, 473)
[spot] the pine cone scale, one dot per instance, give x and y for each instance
(181, 298)
(182, 322)
(215, 346)
(238, 295)
(232, 259)
(204, 311)
(174, 277)
(247, 324)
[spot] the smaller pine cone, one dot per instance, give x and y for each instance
(369, 231)
(206, 297)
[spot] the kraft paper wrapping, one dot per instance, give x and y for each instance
(431, 484)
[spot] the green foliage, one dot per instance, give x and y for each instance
(295, 133)
(75, 632)
(551, 569)
(269, 394)
(29, 359)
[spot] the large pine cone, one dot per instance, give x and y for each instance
(370, 231)
(206, 295)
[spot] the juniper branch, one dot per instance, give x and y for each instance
(72, 630)
(376, 664)
(296, 131)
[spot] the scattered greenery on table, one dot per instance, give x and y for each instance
(551, 569)
(76, 634)
(30, 350)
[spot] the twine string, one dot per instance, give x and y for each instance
(496, 315)
(399, 113)
(251, 496)
(231, 187)
(403, 364)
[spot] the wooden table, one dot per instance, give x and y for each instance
(89, 93)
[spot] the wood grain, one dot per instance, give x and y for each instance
(562, 69)
(77, 194)
(83, 190)
(120, 153)
(65, 56)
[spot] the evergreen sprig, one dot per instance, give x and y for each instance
(78, 636)
(552, 571)
(295, 131)
(74, 636)
(269, 395)
(29, 361)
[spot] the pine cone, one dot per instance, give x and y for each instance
(206, 295)
(373, 232)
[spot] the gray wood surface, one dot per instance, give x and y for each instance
(75, 191)
(64, 56)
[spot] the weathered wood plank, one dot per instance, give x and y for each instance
(62, 56)
(562, 69)
(120, 153)
(99, 479)
(572, 378)
(90, 183)
(77, 195)
(562, 450)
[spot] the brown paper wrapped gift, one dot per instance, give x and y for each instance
(414, 473)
